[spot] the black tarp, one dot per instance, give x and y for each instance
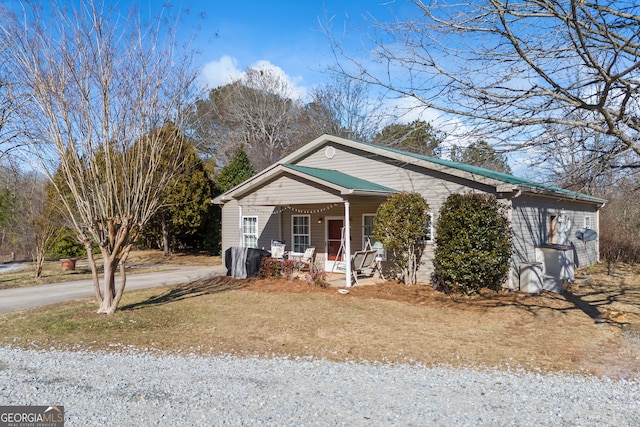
(252, 260)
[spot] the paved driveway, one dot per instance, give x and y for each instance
(34, 296)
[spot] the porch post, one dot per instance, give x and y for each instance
(347, 245)
(240, 239)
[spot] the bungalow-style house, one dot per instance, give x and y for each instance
(325, 195)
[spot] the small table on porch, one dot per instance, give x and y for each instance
(296, 257)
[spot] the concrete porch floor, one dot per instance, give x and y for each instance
(337, 280)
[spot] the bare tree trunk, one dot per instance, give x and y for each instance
(94, 270)
(123, 277)
(41, 239)
(165, 237)
(108, 284)
(39, 261)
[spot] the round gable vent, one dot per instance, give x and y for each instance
(329, 152)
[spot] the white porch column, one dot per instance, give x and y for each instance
(347, 245)
(240, 239)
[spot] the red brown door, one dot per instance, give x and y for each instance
(334, 239)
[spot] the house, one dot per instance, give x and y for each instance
(325, 195)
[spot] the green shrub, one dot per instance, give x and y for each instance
(400, 226)
(64, 245)
(473, 244)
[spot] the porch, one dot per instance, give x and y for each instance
(304, 207)
(335, 230)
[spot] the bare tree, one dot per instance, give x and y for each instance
(100, 85)
(259, 111)
(343, 107)
(44, 218)
(266, 111)
(210, 125)
(10, 100)
(510, 69)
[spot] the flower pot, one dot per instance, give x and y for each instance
(68, 264)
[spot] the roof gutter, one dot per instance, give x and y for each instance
(563, 195)
(356, 192)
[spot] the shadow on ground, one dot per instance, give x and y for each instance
(197, 288)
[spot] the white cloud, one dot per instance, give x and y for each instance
(293, 82)
(221, 72)
(225, 70)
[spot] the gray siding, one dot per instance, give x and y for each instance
(287, 190)
(268, 224)
(435, 187)
(230, 225)
(531, 222)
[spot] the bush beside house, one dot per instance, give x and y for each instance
(473, 244)
(400, 226)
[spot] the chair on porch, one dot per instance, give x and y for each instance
(277, 249)
(307, 259)
(362, 263)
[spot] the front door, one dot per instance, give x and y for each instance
(334, 239)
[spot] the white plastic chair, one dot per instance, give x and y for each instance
(307, 259)
(277, 249)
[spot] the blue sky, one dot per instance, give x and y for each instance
(235, 35)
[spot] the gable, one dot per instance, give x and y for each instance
(287, 189)
(434, 185)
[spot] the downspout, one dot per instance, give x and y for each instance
(513, 267)
(347, 245)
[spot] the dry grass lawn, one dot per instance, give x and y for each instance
(139, 262)
(593, 328)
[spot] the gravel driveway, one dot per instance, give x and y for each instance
(139, 389)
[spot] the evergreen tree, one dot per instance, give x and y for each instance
(416, 137)
(185, 205)
(481, 154)
(237, 171)
(473, 244)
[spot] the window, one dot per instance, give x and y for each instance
(428, 228)
(250, 231)
(301, 232)
(587, 222)
(553, 220)
(368, 241)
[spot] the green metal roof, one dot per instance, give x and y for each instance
(504, 177)
(341, 179)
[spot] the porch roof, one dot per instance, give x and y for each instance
(339, 182)
(341, 179)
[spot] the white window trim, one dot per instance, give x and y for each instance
(244, 232)
(587, 222)
(293, 235)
